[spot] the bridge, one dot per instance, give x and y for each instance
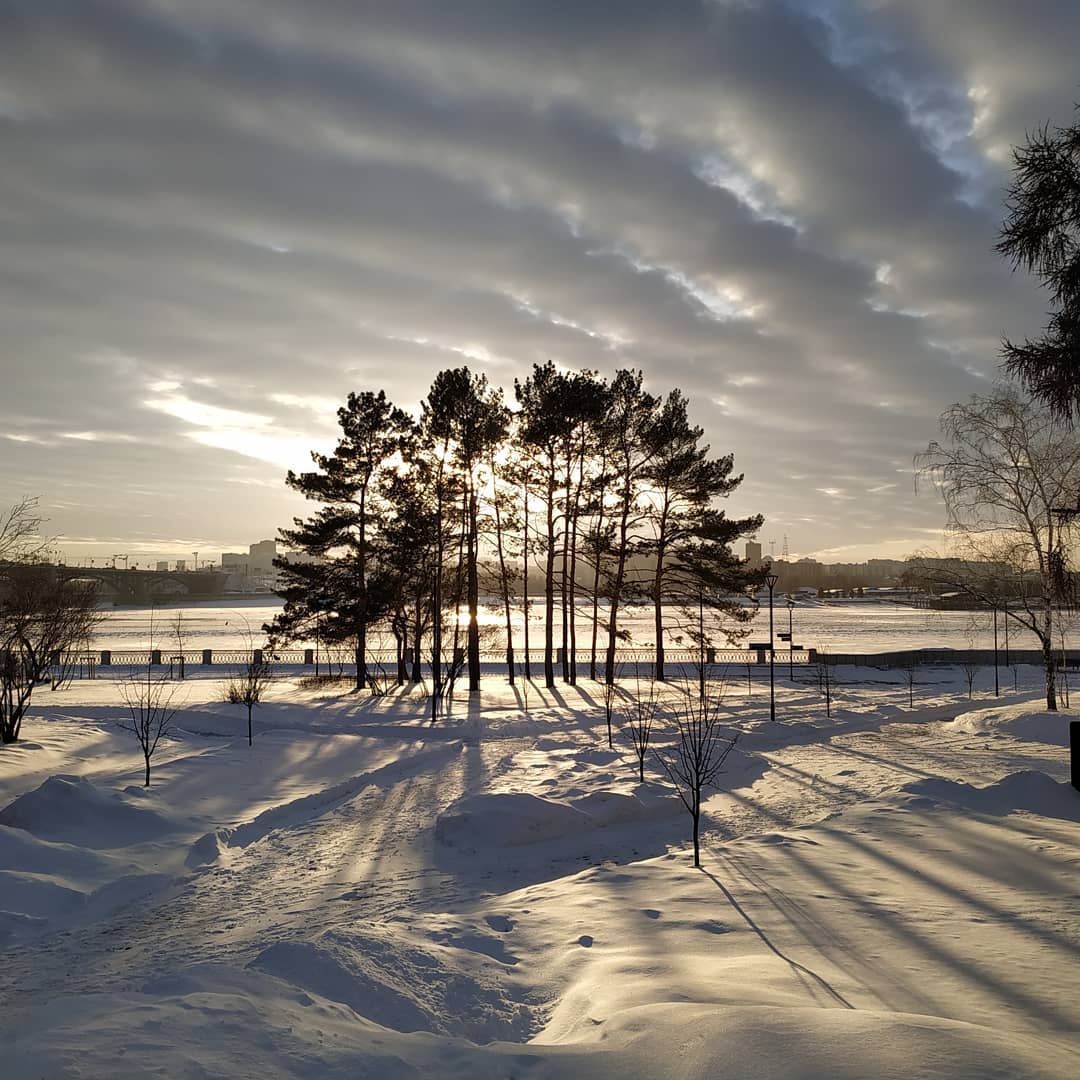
(145, 586)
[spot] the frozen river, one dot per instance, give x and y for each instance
(865, 627)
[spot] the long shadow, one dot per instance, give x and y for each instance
(962, 966)
(794, 964)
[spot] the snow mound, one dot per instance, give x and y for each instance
(507, 820)
(72, 810)
(454, 983)
(213, 847)
(1027, 790)
(44, 884)
(1042, 727)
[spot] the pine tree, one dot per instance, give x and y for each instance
(691, 543)
(470, 420)
(340, 534)
(1041, 233)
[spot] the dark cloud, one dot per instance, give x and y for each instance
(219, 218)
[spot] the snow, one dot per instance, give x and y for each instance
(890, 891)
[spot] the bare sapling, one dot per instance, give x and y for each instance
(638, 721)
(825, 682)
(149, 702)
(909, 670)
(610, 693)
(178, 629)
(524, 682)
(697, 756)
(249, 683)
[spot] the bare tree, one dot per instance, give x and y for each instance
(638, 721)
(42, 616)
(969, 665)
(1007, 471)
(826, 680)
(970, 669)
(151, 710)
(909, 671)
(610, 693)
(20, 532)
(249, 683)
(179, 635)
(697, 757)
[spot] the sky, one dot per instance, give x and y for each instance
(217, 219)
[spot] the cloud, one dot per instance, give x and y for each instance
(223, 217)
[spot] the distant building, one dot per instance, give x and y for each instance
(162, 565)
(234, 562)
(254, 571)
(753, 554)
(181, 564)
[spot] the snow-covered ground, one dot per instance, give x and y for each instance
(890, 892)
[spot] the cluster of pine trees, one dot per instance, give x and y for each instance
(599, 488)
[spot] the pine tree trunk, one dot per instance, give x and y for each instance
(473, 641)
(658, 617)
(549, 584)
(525, 577)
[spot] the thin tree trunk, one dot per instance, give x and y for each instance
(564, 584)
(474, 594)
(504, 579)
(617, 587)
(549, 583)
(658, 617)
(596, 575)
(525, 575)
(1051, 674)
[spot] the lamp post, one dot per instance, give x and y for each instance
(770, 580)
(790, 642)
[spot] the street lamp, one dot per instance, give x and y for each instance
(770, 580)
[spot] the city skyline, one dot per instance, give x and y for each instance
(224, 218)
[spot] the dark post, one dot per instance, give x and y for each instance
(770, 580)
(309, 657)
(155, 658)
(1074, 752)
(207, 657)
(997, 689)
(790, 642)
(106, 657)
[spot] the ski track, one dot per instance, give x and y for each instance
(368, 854)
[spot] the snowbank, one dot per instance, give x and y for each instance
(1028, 790)
(72, 810)
(483, 821)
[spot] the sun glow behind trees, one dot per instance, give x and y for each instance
(603, 489)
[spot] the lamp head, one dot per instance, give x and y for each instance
(771, 579)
